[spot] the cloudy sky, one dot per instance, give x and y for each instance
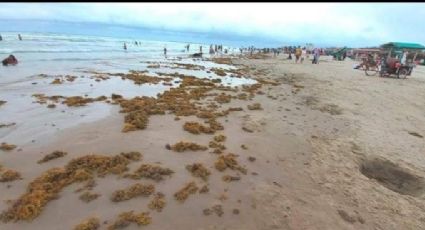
(354, 24)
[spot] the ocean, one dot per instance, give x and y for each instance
(51, 53)
(44, 57)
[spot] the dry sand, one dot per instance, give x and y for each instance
(325, 126)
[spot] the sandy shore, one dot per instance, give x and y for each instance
(322, 136)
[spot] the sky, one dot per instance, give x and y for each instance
(339, 24)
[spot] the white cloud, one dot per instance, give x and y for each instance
(364, 23)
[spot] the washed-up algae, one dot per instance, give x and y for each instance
(88, 196)
(219, 138)
(184, 146)
(92, 223)
(197, 128)
(2, 102)
(217, 209)
(158, 202)
(48, 185)
(126, 218)
(9, 175)
(198, 170)
(57, 81)
(52, 156)
(153, 172)
(223, 98)
(7, 147)
(219, 71)
(255, 106)
(228, 178)
(204, 189)
(216, 145)
(132, 191)
(183, 194)
(228, 161)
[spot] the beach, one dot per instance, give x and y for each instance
(326, 147)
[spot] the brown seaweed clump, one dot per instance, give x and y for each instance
(132, 192)
(204, 189)
(183, 194)
(228, 161)
(217, 209)
(198, 170)
(228, 178)
(183, 146)
(52, 156)
(197, 128)
(219, 71)
(88, 197)
(7, 147)
(158, 202)
(221, 60)
(126, 218)
(51, 106)
(76, 101)
(223, 98)
(48, 185)
(217, 146)
(220, 138)
(153, 172)
(135, 120)
(9, 175)
(56, 81)
(133, 156)
(91, 223)
(255, 106)
(2, 102)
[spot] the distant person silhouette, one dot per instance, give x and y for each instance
(19, 36)
(125, 46)
(1, 38)
(165, 51)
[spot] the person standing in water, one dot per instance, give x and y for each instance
(19, 36)
(200, 49)
(165, 51)
(125, 46)
(1, 38)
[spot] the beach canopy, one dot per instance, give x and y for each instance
(403, 45)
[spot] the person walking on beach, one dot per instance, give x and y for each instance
(19, 37)
(1, 38)
(316, 55)
(125, 46)
(297, 54)
(200, 49)
(303, 55)
(211, 50)
(165, 51)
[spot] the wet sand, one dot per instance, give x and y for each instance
(317, 129)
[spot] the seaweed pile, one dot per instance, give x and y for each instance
(52, 156)
(198, 170)
(88, 196)
(126, 218)
(153, 172)
(7, 147)
(158, 202)
(228, 161)
(183, 146)
(183, 194)
(9, 175)
(91, 223)
(132, 191)
(48, 186)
